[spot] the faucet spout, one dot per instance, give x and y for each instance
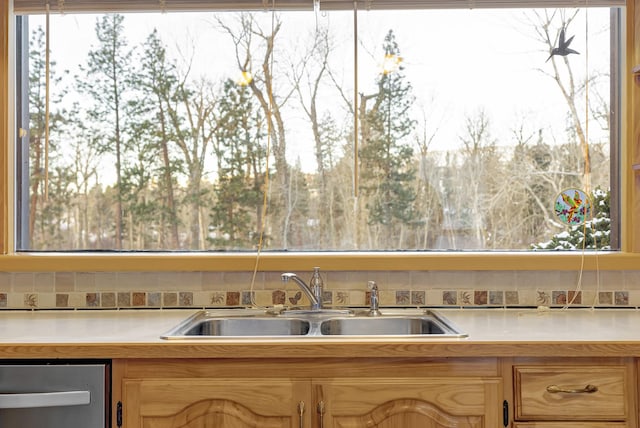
(314, 292)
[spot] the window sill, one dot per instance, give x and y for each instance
(338, 261)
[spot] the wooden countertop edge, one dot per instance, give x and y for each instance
(275, 350)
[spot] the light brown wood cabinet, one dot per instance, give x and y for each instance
(377, 392)
(229, 403)
(408, 403)
(315, 394)
(574, 393)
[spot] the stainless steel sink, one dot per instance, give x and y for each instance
(384, 326)
(203, 325)
(248, 323)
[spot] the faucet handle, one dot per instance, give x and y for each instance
(316, 279)
(317, 285)
(373, 299)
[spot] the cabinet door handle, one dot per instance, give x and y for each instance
(301, 413)
(321, 413)
(589, 389)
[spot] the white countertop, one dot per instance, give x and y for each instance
(135, 334)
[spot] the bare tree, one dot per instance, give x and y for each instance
(548, 31)
(258, 57)
(478, 172)
(312, 71)
(191, 114)
(84, 171)
(427, 204)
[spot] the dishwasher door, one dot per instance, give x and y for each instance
(56, 395)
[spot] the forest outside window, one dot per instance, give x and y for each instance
(166, 128)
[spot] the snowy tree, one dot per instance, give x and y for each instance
(594, 234)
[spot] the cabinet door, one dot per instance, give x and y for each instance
(408, 403)
(215, 403)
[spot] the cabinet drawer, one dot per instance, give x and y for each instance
(560, 393)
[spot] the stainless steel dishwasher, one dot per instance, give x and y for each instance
(54, 394)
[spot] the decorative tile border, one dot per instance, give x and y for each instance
(341, 298)
(114, 290)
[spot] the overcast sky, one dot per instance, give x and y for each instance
(458, 61)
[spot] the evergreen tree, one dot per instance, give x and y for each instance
(38, 167)
(236, 214)
(386, 157)
(158, 83)
(109, 85)
(331, 204)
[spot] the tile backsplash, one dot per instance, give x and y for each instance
(121, 290)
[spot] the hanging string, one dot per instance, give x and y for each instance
(356, 171)
(586, 95)
(47, 62)
(265, 193)
(591, 220)
(578, 290)
(356, 130)
(586, 136)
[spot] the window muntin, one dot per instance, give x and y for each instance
(388, 215)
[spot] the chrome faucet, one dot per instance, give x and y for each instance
(313, 290)
(373, 299)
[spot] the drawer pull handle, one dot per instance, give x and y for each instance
(589, 389)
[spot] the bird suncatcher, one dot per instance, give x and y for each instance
(563, 48)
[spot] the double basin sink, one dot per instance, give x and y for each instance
(259, 323)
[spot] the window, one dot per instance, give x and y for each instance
(166, 128)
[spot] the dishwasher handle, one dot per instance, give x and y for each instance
(44, 399)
